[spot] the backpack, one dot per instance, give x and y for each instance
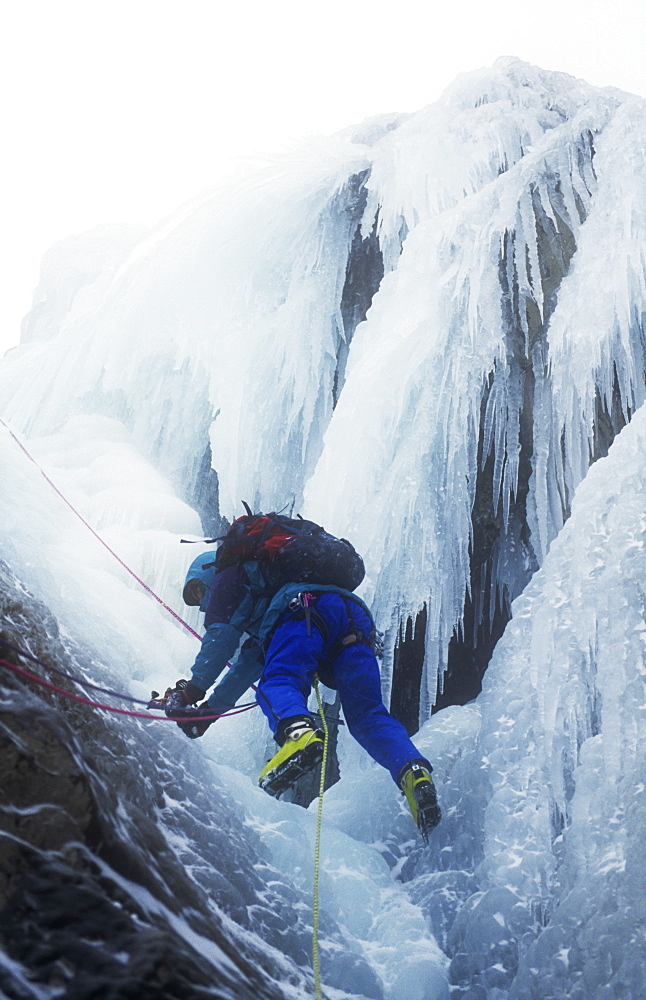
(298, 551)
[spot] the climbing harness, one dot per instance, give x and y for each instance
(303, 606)
(317, 849)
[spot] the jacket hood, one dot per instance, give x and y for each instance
(202, 571)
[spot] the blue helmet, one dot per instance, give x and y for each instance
(202, 570)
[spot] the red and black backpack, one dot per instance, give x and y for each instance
(299, 551)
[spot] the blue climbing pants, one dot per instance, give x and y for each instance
(295, 655)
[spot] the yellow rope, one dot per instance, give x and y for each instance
(317, 851)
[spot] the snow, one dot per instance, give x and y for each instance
(510, 221)
(75, 268)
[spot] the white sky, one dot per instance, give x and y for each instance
(120, 110)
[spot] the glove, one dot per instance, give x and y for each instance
(184, 693)
(194, 727)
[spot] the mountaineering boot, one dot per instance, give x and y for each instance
(301, 751)
(417, 785)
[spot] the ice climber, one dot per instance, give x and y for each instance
(304, 629)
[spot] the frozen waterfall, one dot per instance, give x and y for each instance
(426, 332)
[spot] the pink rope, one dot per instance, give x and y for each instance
(111, 708)
(97, 536)
(70, 677)
(127, 569)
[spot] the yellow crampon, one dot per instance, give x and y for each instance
(276, 773)
(417, 785)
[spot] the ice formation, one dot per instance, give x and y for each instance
(417, 319)
(556, 771)
(495, 217)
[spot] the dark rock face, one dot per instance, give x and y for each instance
(94, 902)
(364, 272)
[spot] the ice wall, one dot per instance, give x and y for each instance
(501, 238)
(223, 323)
(535, 883)
(596, 335)
(454, 367)
(483, 233)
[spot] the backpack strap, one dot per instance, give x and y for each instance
(266, 531)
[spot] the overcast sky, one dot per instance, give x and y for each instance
(120, 111)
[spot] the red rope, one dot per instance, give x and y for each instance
(110, 708)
